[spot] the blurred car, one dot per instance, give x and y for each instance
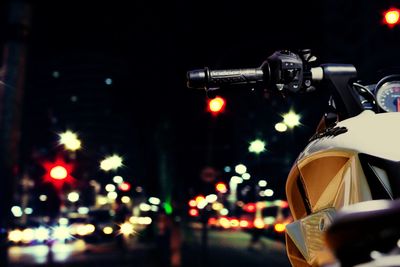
(276, 218)
(31, 233)
(100, 226)
(271, 216)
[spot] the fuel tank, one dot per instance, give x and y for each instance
(369, 133)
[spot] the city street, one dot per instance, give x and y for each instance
(226, 248)
(196, 133)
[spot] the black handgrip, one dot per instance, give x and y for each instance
(205, 78)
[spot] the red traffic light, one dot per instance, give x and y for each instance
(391, 17)
(216, 105)
(58, 172)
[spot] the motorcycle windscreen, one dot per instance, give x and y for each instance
(332, 179)
(335, 179)
(317, 185)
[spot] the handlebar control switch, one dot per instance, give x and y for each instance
(287, 70)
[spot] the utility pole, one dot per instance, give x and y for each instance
(12, 73)
(166, 170)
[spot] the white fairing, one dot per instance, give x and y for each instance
(373, 134)
(328, 174)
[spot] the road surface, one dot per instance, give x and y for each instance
(225, 248)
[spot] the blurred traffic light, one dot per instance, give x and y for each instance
(58, 172)
(216, 105)
(111, 163)
(70, 140)
(391, 17)
(257, 146)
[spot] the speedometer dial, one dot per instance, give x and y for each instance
(388, 96)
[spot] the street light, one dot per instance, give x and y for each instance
(126, 229)
(257, 146)
(291, 119)
(111, 163)
(70, 140)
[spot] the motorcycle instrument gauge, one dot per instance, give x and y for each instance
(388, 96)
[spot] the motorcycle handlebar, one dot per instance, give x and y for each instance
(206, 78)
(282, 71)
(286, 71)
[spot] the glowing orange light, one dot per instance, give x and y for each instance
(221, 187)
(216, 105)
(391, 17)
(212, 221)
(194, 212)
(280, 227)
(192, 203)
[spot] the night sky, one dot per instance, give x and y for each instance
(148, 115)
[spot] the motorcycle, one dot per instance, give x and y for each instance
(342, 188)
